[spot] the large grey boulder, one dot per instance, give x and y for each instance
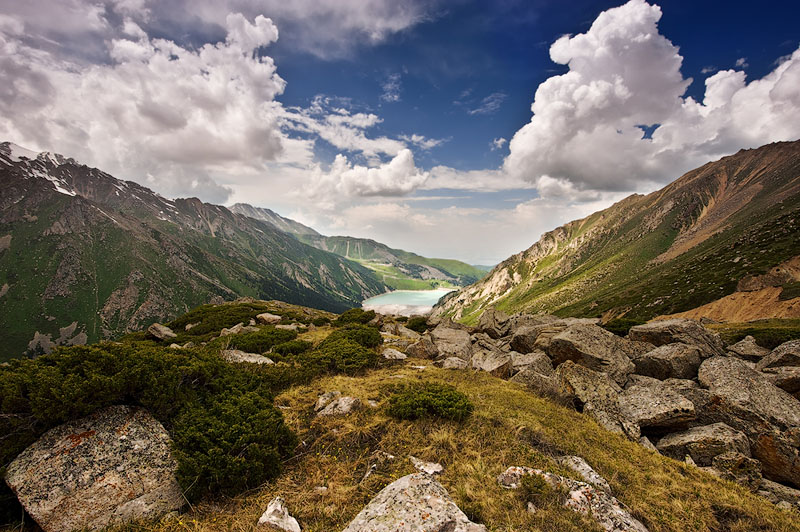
(777, 493)
(494, 362)
(414, 503)
(162, 332)
(745, 399)
(494, 323)
(452, 363)
(787, 378)
(531, 333)
(581, 497)
(536, 360)
(393, 354)
(585, 385)
(595, 348)
(786, 354)
(268, 318)
(704, 443)
(580, 466)
(608, 415)
(544, 385)
(656, 406)
(669, 361)
(748, 349)
(424, 348)
(739, 468)
(678, 330)
(112, 466)
(452, 342)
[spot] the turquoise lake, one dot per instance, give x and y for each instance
(405, 302)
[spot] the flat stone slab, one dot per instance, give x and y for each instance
(112, 466)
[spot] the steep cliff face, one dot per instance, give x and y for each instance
(86, 256)
(675, 249)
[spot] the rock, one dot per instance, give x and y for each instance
(278, 516)
(608, 415)
(538, 361)
(582, 498)
(656, 407)
(414, 503)
(786, 354)
(453, 363)
(787, 378)
(268, 319)
(595, 348)
(494, 323)
(405, 332)
(425, 348)
(584, 384)
(162, 332)
(748, 394)
(452, 342)
(645, 442)
(236, 329)
(739, 468)
(175, 346)
(535, 334)
(678, 330)
(493, 362)
(112, 466)
(669, 361)
(748, 349)
(430, 468)
(393, 354)
(689, 461)
(704, 443)
(289, 327)
(579, 465)
(544, 385)
(776, 493)
(236, 356)
(340, 406)
(746, 400)
(190, 326)
(324, 399)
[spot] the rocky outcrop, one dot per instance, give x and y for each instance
(582, 498)
(340, 406)
(595, 348)
(544, 385)
(494, 323)
(235, 356)
(162, 332)
(495, 362)
(414, 503)
(585, 385)
(678, 330)
(393, 354)
(424, 348)
(656, 406)
(453, 363)
(669, 361)
(748, 349)
(787, 354)
(268, 319)
(112, 466)
(739, 468)
(579, 465)
(452, 342)
(276, 515)
(537, 361)
(704, 443)
(787, 378)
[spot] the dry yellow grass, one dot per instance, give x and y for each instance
(510, 426)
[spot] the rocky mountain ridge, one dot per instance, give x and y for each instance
(85, 256)
(686, 245)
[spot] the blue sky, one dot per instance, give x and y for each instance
(394, 120)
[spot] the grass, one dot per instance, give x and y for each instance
(509, 426)
(767, 333)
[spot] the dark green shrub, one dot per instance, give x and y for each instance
(292, 347)
(418, 324)
(190, 391)
(320, 321)
(361, 334)
(340, 355)
(535, 489)
(354, 315)
(621, 326)
(429, 399)
(790, 291)
(234, 443)
(259, 341)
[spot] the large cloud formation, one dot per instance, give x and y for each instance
(623, 74)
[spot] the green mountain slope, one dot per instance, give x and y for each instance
(396, 268)
(84, 256)
(683, 246)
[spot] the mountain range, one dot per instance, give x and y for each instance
(722, 241)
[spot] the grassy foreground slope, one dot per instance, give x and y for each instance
(675, 249)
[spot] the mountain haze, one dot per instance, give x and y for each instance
(396, 268)
(729, 225)
(85, 256)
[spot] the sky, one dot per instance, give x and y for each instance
(449, 128)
